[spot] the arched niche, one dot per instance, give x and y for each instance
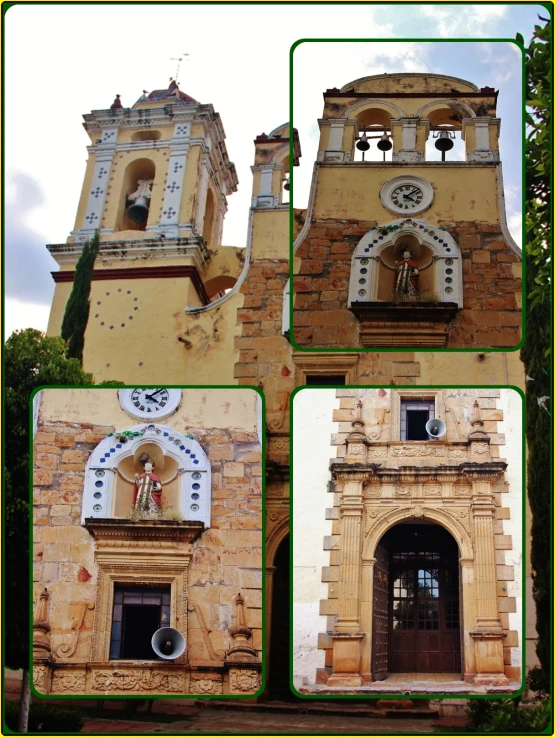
(219, 284)
(140, 169)
(209, 216)
(180, 463)
(425, 514)
(435, 252)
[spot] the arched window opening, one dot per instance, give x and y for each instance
(136, 194)
(445, 142)
(219, 285)
(374, 139)
(209, 216)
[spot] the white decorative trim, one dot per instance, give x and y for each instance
(408, 157)
(131, 250)
(425, 186)
(238, 284)
(188, 454)
(285, 316)
(446, 255)
(503, 215)
(92, 219)
(483, 157)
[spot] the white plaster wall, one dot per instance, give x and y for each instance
(510, 402)
(312, 429)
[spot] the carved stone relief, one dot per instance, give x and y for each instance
(374, 453)
(77, 613)
(432, 490)
(206, 683)
(63, 681)
(418, 450)
(39, 677)
(373, 514)
(137, 680)
(243, 681)
(402, 491)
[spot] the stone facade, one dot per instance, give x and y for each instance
(214, 574)
(458, 482)
(468, 281)
(491, 316)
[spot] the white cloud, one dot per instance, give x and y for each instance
(20, 315)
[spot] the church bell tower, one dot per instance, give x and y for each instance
(155, 187)
(410, 247)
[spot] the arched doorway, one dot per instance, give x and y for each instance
(416, 618)
(280, 646)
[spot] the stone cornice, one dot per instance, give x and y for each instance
(418, 474)
(110, 530)
(130, 250)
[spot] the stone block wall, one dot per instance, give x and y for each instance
(492, 287)
(226, 559)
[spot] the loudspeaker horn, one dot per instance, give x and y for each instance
(435, 428)
(168, 643)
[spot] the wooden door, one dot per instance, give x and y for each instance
(424, 612)
(380, 626)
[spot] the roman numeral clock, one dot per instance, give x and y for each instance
(150, 404)
(407, 195)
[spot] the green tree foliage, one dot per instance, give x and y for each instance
(538, 161)
(76, 315)
(535, 353)
(31, 360)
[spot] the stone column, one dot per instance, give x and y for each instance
(409, 139)
(104, 156)
(366, 614)
(42, 655)
(347, 635)
(476, 134)
(488, 633)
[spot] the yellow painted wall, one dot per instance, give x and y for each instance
(454, 369)
(270, 235)
(190, 186)
(461, 193)
(236, 408)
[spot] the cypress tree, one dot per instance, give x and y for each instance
(76, 315)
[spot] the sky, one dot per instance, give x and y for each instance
(62, 61)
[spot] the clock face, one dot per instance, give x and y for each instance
(407, 195)
(150, 403)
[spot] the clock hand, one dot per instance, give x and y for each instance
(151, 396)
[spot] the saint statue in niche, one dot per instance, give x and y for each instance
(406, 276)
(148, 488)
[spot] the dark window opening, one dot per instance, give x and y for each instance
(325, 380)
(414, 416)
(138, 612)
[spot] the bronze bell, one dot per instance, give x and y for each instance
(444, 142)
(362, 143)
(384, 144)
(138, 211)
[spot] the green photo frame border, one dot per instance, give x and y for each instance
(305, 349)
(393, 697)
(119, 697)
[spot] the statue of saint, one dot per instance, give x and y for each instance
(148, 488)
(406, 276)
